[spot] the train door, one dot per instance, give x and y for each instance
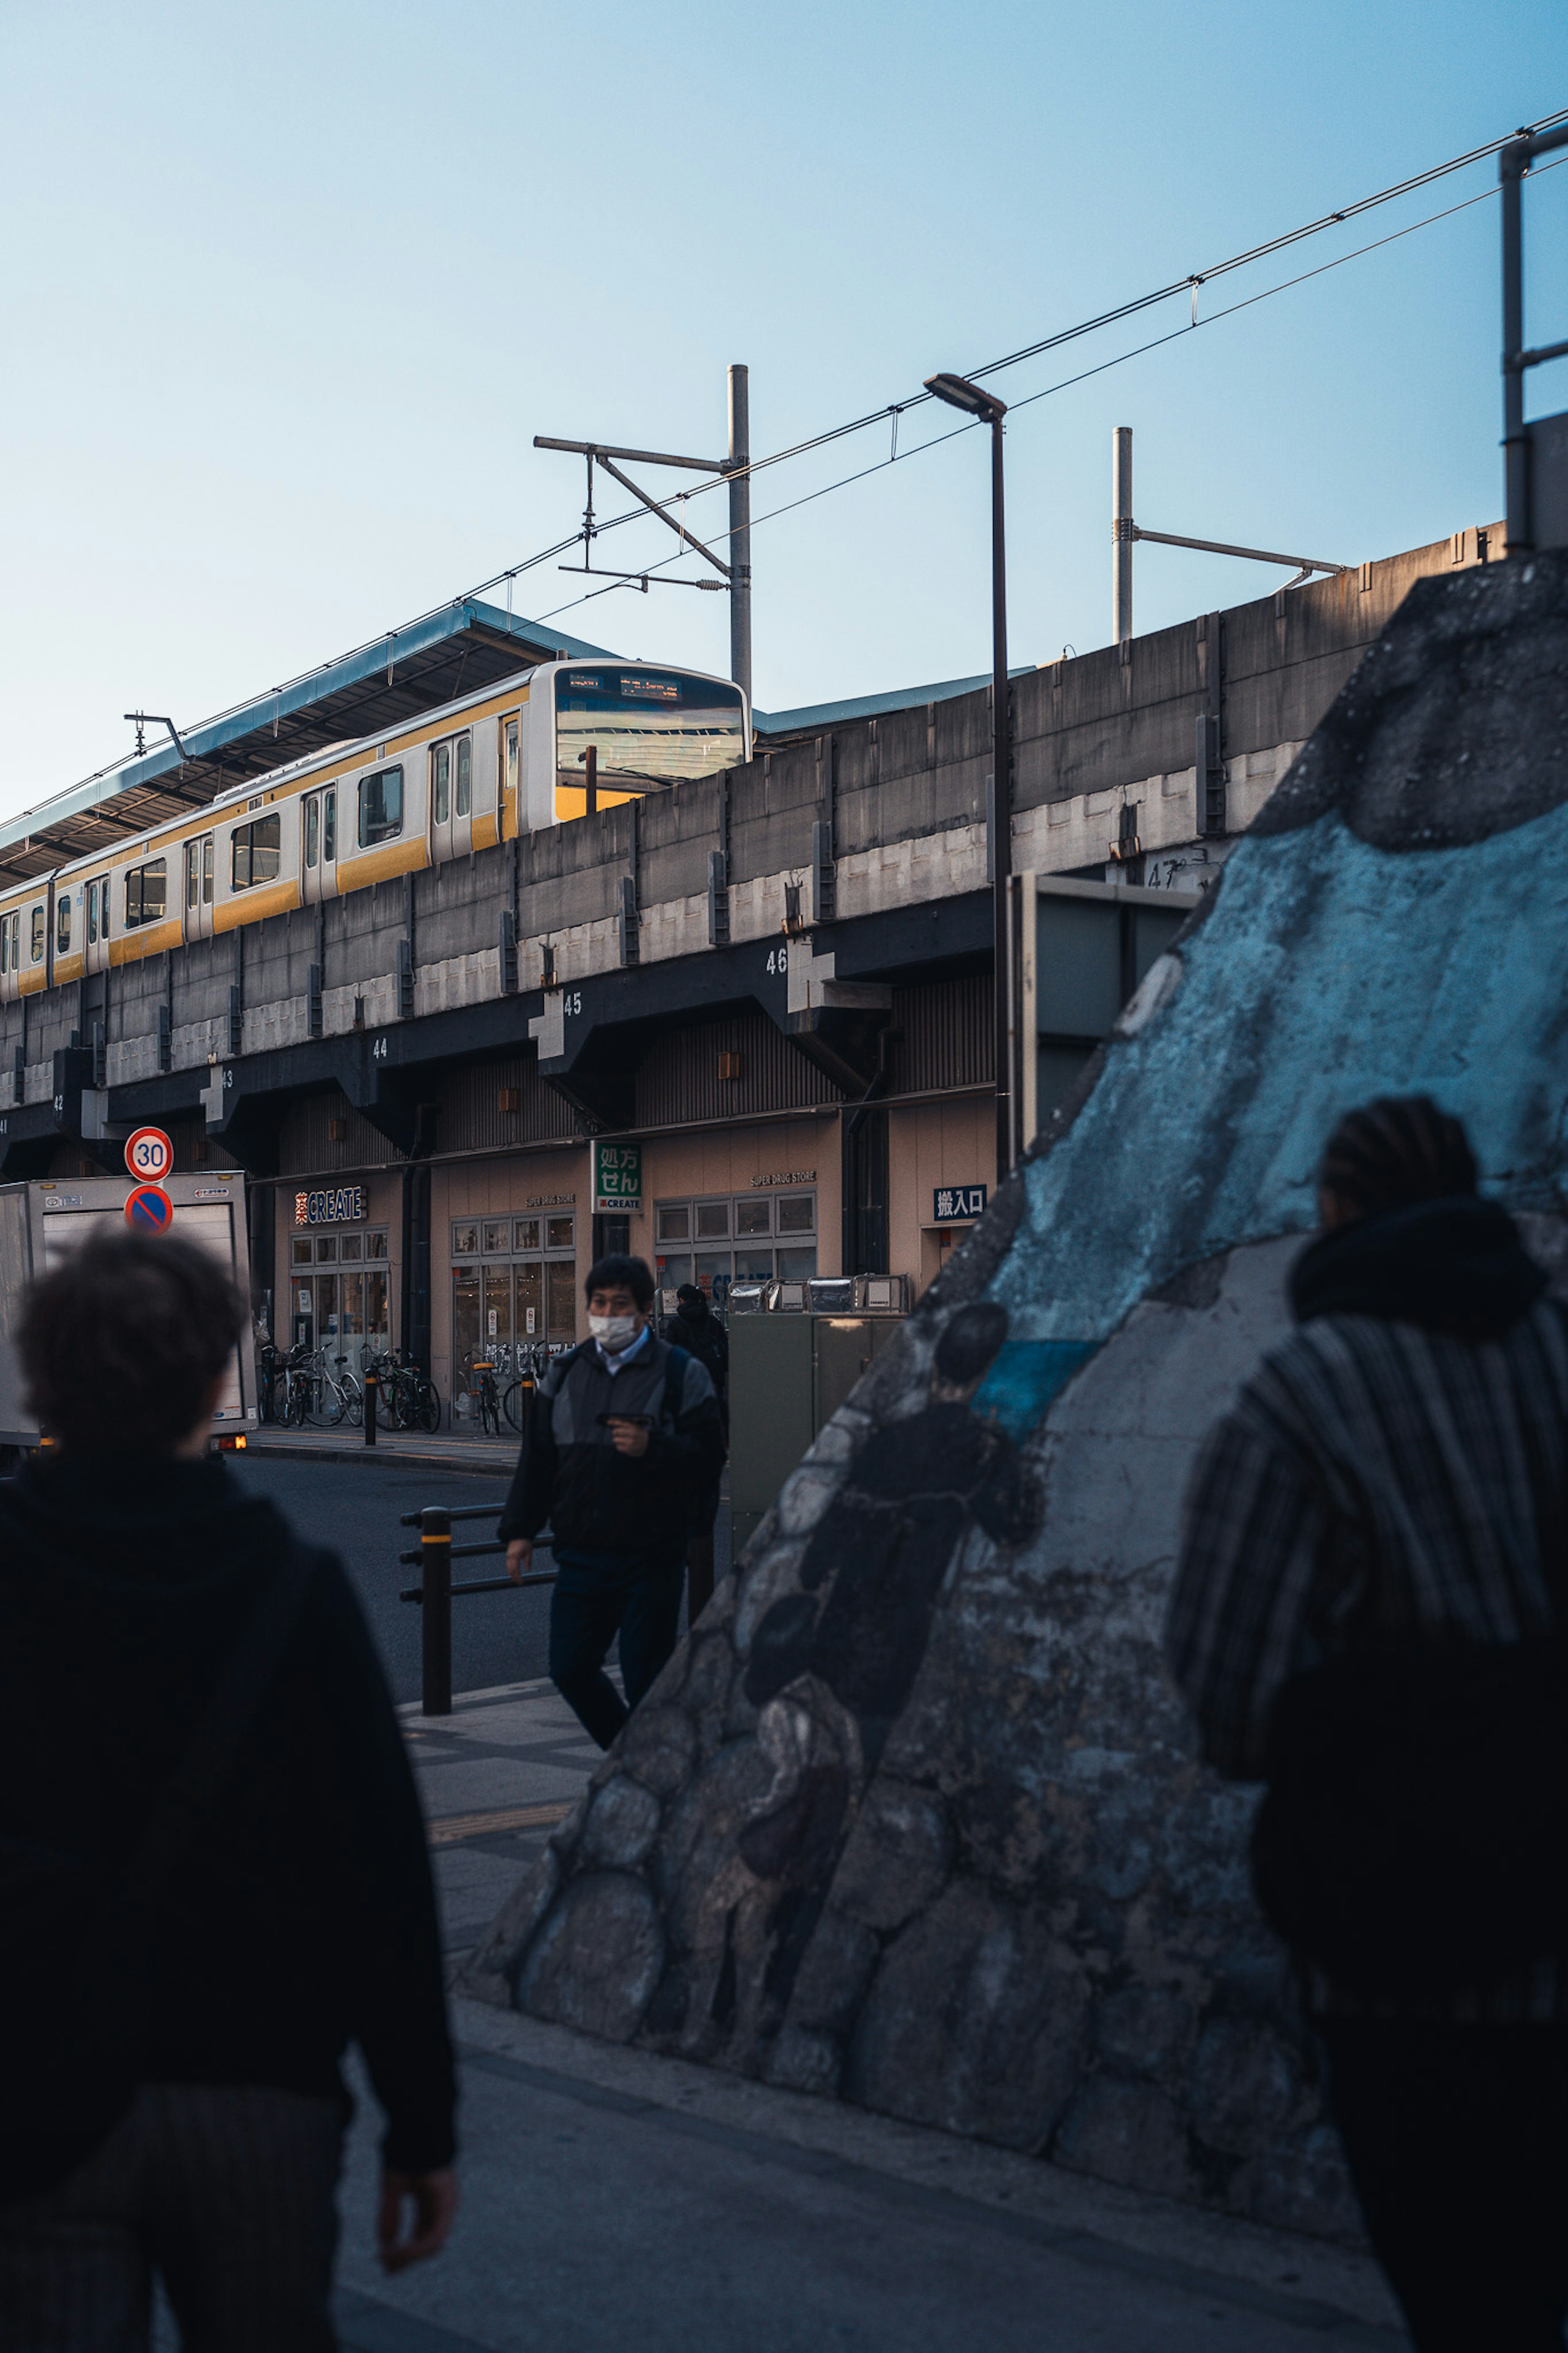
(319, 845)
(509, 784)
(95, 922)
(200, 855)
(452, 797)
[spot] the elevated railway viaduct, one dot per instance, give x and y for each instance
(765, 995)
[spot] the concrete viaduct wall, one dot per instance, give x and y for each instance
(902, 798)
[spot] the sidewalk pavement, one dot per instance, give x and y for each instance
(614, 2198)
(446, 1450)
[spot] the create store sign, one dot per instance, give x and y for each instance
(618, 1177)
(334, 1205)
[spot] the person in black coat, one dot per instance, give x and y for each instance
(624, 1444)
(298, 1917)
(696, 1328)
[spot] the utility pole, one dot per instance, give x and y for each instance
(1125, 532)
(736, 574)
(1122, 534)
(739, 471)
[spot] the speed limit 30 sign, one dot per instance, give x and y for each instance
(149, 1156)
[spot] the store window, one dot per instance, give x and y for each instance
(337, 1302)
(514, 1289)
(744, 1238)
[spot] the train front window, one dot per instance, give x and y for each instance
(621, 732)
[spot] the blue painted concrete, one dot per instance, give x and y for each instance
(1327, 972)
(1024, 1378)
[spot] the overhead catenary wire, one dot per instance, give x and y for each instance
(1118, 359)
(892, 410)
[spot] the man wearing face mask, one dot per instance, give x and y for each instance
(624, 1442)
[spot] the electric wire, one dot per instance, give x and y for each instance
(1118, 359)
(893, 410)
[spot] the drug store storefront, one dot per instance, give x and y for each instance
(339, 1266)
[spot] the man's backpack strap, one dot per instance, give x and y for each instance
(674, 1380)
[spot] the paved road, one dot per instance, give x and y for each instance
(497, 1638)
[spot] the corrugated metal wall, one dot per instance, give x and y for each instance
(471, 1118)
(947, 1038)
(680, 1075)
(306, 1142)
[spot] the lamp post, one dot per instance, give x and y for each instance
(986, 410)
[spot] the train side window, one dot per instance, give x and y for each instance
(380, 806)
(464, 792)
(92, 913)
(441, 781)
(38, 935)
(329, 825)
(206, 870)
(5, 943)
(256, 852)
(146, 892)
(312, 829)
(63, 923)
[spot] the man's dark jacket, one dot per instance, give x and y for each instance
(303, 1918)
(596, 1499)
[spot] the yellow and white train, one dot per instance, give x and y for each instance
(551, 743)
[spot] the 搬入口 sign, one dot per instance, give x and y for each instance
(618, 1177)
(954, 1203)
(332, 1205)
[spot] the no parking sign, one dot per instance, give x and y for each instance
(148, 1211)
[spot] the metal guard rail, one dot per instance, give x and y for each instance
(435, 1590)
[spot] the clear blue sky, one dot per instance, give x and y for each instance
(290, 289)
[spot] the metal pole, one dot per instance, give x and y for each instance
(1120, 533)
(372, 1392)
(1001, 863)
(435, 1634)
(740, 533)
(1518, 536)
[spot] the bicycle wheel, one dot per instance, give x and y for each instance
(296, 1410)
(353, 1401)
(427, 1408)
(340, 1404)
(514, 1405)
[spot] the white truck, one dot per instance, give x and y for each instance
(44, 1220)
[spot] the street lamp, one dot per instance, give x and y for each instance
(986, 410)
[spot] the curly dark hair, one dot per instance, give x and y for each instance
(1394, 1152)
(122, 1343)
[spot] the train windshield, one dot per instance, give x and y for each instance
(622, 732)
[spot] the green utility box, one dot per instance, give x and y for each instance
(788, 1375)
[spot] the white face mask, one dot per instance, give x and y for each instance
(615, 1333)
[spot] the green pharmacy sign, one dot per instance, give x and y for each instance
(618, 1177)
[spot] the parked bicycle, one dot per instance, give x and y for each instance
(271, 1386)
(339, 1393)
(406, 1399)
(517, 1398)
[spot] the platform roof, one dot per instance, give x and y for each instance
(381, 685)
(776, 727)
